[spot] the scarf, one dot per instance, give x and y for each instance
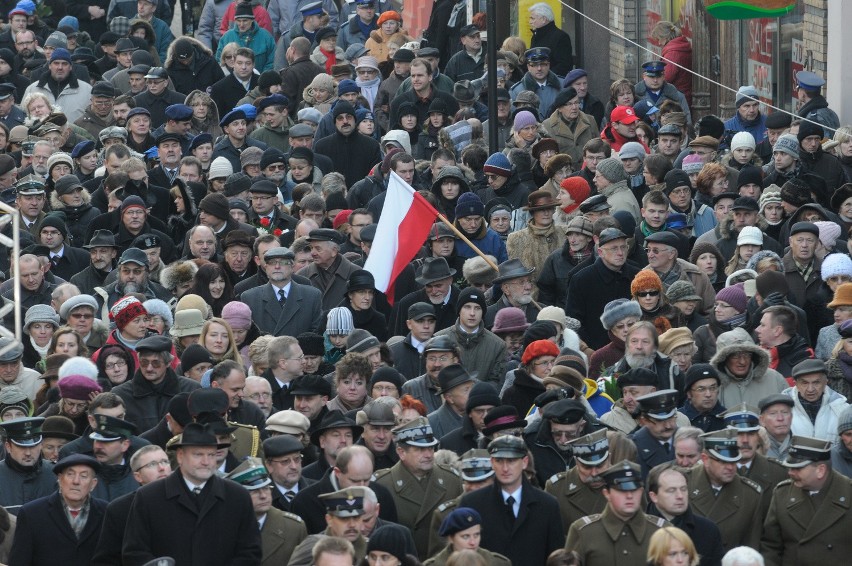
(811, 407)
(735, 321)
(669, 278)
(583, 254)
(637, 180)
(77, 523)
(457, 9)
(647, 230)
(42, 352)
(845, 362)
(330, 59)
(369, 89)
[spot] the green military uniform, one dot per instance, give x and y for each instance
(415, 499)
(576, 499)
(606, 540)
(491, 558)
(809, 525)
(345, 503)
(436, 541)
(765, 472)
(736, 510)
(281, 532)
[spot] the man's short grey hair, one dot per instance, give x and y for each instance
(43, 143)
(391, 402)
(134, 460)
(542, 9)
(256, 379)
(333, 182)
(65, 290)
(370, 496)
(690, 432)
(742, 556)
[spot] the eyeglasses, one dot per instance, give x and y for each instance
(491, 176)
(81, 316)
(544, 363)
(433, 359)
(273, 167)
(154, 464)
(300, 358)
(648, 294)
(116, 365)
(260, 395)
(706, 389)
(279, 262)
(562, 434)
(156, 364)
(295, 459)
(78, 405)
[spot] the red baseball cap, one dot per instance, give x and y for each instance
(623, 114)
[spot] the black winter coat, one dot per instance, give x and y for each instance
(522, 393)
(166, 520)
(202, 74)
(353, 155)
(532, 536)
(589, 292)
(559, 43)
(310, 508)
(147, 404)
(43, 534)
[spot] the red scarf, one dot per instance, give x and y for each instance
(330, 59)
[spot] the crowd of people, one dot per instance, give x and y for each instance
(630, 342)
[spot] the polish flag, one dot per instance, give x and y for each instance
(405, 222)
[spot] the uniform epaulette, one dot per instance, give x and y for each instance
(381, 473)
(555, 478)
(446, 505)
(449, 469)
(241, 425)
(293, 516)
(654, 520)
(788, 481)
(589, 519)
(751, 483)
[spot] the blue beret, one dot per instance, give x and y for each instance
(200, 139)
(249, 110)
(82, 148)
(460, 519)
(179, 112)
(273, 100)
(235, 114)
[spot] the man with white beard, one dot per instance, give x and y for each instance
(641, 351)
(132, 278)
(514, 280)
(634, 383)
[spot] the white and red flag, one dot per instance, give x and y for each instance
(405, 222)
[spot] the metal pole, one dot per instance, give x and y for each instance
(491, 60)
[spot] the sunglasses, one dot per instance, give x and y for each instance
(648, 294)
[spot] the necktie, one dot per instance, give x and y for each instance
(742, 470)
(282, 298)
(666, 447)
(510, 505)
(289, 495)
(196, 490)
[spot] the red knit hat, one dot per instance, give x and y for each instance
(579, 190)
(126, 309)
(389, 15)
(538, 349)
(645, 280)
(341, 218)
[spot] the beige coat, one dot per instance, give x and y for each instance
(572, 143)
(532, 245)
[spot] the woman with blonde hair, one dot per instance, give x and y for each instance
(205, 114)
(841, 145)
(670, 546)
(218, 338)
(227, 57)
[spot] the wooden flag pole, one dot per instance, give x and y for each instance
(479, 252)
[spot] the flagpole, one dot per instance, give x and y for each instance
(465, 239)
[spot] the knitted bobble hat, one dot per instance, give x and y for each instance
(645, 280)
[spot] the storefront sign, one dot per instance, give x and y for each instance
(761, 39)
(748, 9)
